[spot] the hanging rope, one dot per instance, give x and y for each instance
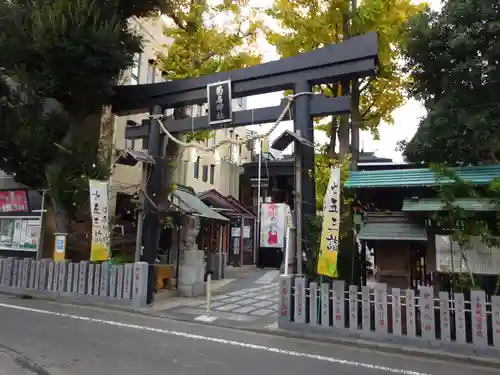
(225, 141)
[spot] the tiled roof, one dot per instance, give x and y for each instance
(478, 175)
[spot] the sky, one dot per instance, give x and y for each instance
(406, 117)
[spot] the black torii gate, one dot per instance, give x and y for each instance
(356, 57)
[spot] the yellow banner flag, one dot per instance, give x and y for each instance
(99, 249)
(329, 248)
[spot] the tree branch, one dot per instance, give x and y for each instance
(365, 86)
(368, 109)
(170, 13)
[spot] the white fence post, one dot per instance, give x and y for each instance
(338, 304)
(353, 307)
(90, 278)
(299, 300)
(9, 270)
(56, 276)
(325, 304)
(112, 281)
(104, 283)
(381, 308)
(97, 279)
(69, 279)
(444, 316)
(426, 303)
(411, 327)
(495, 321)
(127, 281)
(62, 276)
(25, 277)
(313, 303)
(44, 274)
(459, 306)
(119, 281)
(50, 275)
(285, 285)
(140, 284)
(396, 312)
(83, 276)
(365, 309)
(76, 278)
(478, 315)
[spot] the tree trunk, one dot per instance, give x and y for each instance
(61, 216)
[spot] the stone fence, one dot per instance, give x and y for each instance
(124, 285)
(406, 317)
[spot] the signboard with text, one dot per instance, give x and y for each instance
(14, 201)
(329, 248)
(99, 250)
(219, 97)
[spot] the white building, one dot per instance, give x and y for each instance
(127, 179)
(219, 170)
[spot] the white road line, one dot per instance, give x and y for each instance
(239, 344)
(268, 277)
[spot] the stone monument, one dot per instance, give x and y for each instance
(192, 267)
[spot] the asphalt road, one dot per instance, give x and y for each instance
(47, 338)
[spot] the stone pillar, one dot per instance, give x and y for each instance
(140, 285)
(191, 270)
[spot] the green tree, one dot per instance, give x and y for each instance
(313, 24)
(452, 56)
(462, 224)
(60, 60)
(206, 39)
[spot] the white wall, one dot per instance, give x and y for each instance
(226, 164)
(479, 258)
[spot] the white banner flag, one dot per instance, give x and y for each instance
(99, 250)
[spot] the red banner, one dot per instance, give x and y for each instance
(13, 201)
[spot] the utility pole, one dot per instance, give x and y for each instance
(298, 203)
(259, 204)
(140, 213)
(305, 198)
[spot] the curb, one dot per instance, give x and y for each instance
(386, 348)
(353, 343)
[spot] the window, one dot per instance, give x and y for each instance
(135, 69)
(212, 174)
(204, 175)
(197, 168)
(151, 71)
(130, 144)
(19, 234)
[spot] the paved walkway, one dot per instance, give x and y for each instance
(250, 302)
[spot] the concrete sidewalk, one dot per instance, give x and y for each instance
(168, 299)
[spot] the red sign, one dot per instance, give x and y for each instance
(13, 201)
